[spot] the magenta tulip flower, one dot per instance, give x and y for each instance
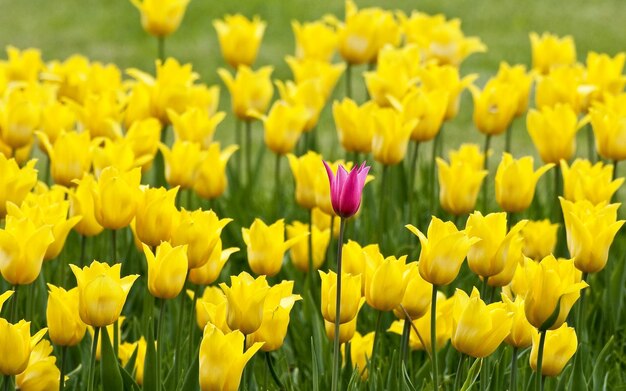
(346, 188)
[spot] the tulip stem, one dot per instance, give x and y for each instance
(62, 368)
(507, 138)
(116, 337)
(433, 337)
(14, 305)
(382, 206)
(113, 246)
(239, 142)
(92, 362)
(590, 147)
(249, 152)
(580, 310)
(557, 191)
(406, 334)
(277, 192)
(330, 241)
(192, 323)
(310, 248)
(615, 162)
(513, 386)
(336, 356)
(459, 369)
(433, 182)
(484, 287)
(160, 341)
(349, 81)
(7, 382)
(270, 365)
(412, 175)
(161, 48)
(542, 342)
(486, 168)
(83, 247)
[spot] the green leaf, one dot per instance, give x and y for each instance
(472, 375)
(150, 382)
(192, 377)
(109, 368)
(128, 380)
(130, 365)
(315, 369)
(577, 380)
(553, 317)
(596, 374)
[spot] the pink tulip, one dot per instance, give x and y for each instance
(346, 188)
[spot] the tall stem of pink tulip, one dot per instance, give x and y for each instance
(336, 356)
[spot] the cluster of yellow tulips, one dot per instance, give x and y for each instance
(124, 167)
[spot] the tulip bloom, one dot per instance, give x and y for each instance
(549, 51)
(115, 197)
(101, 292)
(161, 17)
(299, 252)
(221, 359)
(391, 136)
(385, 281)
(459, 186)
(200, 230)
(81, 204)
(195, 125)
(156, 215)
(211, 269)
(315, 40)
(494, 107)
(350, 296)
(324, 75)
(346, 330)
(246, 297)
(210, 177)
(553, 131)
(250, 91)
(521, 334)
(283, 126)
(583, 181)
(361, 348)
(276, 309)
(478, 329)
(447, 78)
(126, 352)
(346, 188)
(559, 348)
(609, 127)
(493, 248)
(516, 181)
(70, 156)
(516, 76)
(20, 116)
(443, 250)
(590, 232)
(239, 38)
(211, 299)
(354, 125)
(266, 246)
(15, 182)
(306, 170)
(552, 284)
(143, 138)
(394, 74)
(167, 270)
(563, 86)
(16, 346)
(353, 259)
(23, 245)
(181, 162)
(539, 239)
(428, 107)
(41, 373)
(64, 324)
(417, 297)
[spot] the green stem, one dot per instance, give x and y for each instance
(181, 322)
(249, 152)
(513, 385)
(160, 341)
(7, 382)
(189, 198)
(239, 156)
(62, 368)
(412, 175)
(556, 213)
(336, 355)
(484, 287)
(580, 310)
(542, 342)
(192, 321)
(433, 165)
(590, 147)
(615, 162)
(270, 365)
(349, 81)
(92, 362)
(433, 337)
(459, 374)
(484, 374)
(375, 346)
(277, 188)
(382, 205)
(83, 247)
(507, 138)
(116, 337)
(161, 48)
(486, 167)
(330, 241)
(14, 305)
(310, 247)
(405, 340)
(113, 246)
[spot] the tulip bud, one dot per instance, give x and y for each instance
(314, 40)
(391, 136)
(553, 131)
(360, 352)
(516, 181)
(559, 348)
(246, 297)
(115, 197)
(167, 270)
(16, 182)
(210, 176)
(41, 372)
(250, 91)
(346, 188)
(126, 352)
(549, 51)
(161, 18)
(539, 239)
(239, 38)
(385, 281)
(350, 296)
(81, 204)
(354, 125)
(195, 125)
(306, 170)
(494, 107)
(207, 308)
(283, 126)
(459, 186)
(70, 156)
(521, 334)
(417, 296)
(582, 181)
(156, 215)
(64, 324)
(17, 345)
(181, 162)
(607, 121)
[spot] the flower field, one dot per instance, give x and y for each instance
(332, 196)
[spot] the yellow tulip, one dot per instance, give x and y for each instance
(100, 114)
(391, 136)
(323, 74)
(516, 181)
(494, 247)
(156, 215)
(221, 359)
(350, 296)
(115, 197)
(126, 352)
(249, 90)
(539, 238)
(15, 182)
(444, 248)
(56, 118)
(365, 32)
(361, 348)
(143, 138)
(470, 154)
(552, 284)
(553, 131)
(299, 252)
(20, 116)
(210, 177)
(23, 245)
(308, 93)
(64, 325)
(604, 73)
(385, 281)
(608, 120)
(516, 76)
(239, 38)
(306, 170)
(70, 156)
(559, 348)
(200, 230)
(283, 126)
(314, 40)
(22, 65)
(276, 309)
(211, 298)
(395, 73)
(494, 107)
(41, 374)
(564, 86)
(117, 153)
(521, 334)
(590, 232)
(513, 258)
(210, 271)
(180, 163)
(161, 17)
(594, 183)
(354, 126)
(428, 107)
(167, 270)
(323, 221)
(549, 51)
(477, 328)
(81, 204)
(459, 186)
(4, 297)
(447, 78)
(246, 297)
(346, 330)
(101, 292)
(17, 345)
(417, 297)
(195, 125)
(521, 282)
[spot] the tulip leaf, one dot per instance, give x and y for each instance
(109, 368)
(549, 322)
(596, 373)
(150, 382)
(472, 375)
(130, 365)
(314, 368)
(577, 380)
(128, 380)
(406, 379)
(191, 378)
